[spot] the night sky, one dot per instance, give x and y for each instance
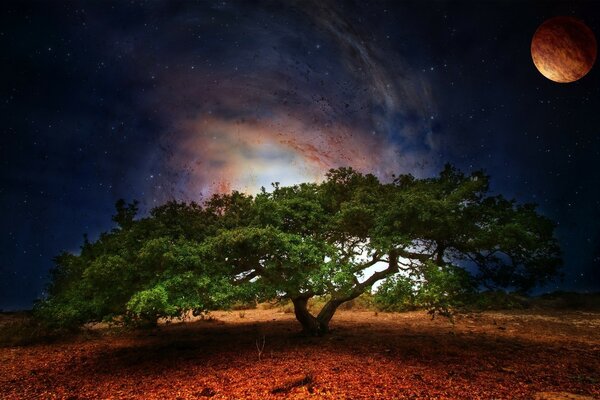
(155, 101)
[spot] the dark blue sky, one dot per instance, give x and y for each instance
(153, 101)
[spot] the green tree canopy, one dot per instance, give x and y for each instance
(443, 235)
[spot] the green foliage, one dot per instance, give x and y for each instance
(445, 233)
(445, 287)
(437, 288)
(151, 303)
(396, 293)
(125, 213)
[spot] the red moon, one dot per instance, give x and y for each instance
(563, 49)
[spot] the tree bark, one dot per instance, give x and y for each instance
(310, 324)
(327, 313)
(319, 325)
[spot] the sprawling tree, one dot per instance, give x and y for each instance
(443, 235)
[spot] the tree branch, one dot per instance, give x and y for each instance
(376, 258)
(391, 269)
(415, 256)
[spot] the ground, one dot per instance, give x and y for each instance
(490, 355)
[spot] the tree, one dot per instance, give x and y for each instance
(442, 236)
(125, 213)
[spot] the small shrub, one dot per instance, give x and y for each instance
(26, 332)
(568, 300)
(243, 305)
(396, 294)
(268, 305)
(496, 300)
(286, 307)
(364, 302)
(207, 317)
(315, 304)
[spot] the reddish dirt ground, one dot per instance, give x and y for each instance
(491, 355)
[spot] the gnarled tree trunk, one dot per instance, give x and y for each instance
(319, 325)
(327, 313)
(310, 324)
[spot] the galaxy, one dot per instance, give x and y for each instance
(180, 100)
(283, 107)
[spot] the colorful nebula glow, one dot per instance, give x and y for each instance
(285, 106)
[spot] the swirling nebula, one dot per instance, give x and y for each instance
(284, 101)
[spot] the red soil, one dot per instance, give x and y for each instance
(492, 355)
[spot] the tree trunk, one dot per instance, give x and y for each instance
(310, 324)
(319, 325)
(440, 254)
(327, 313)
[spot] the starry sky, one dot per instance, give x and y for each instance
(156, 101)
